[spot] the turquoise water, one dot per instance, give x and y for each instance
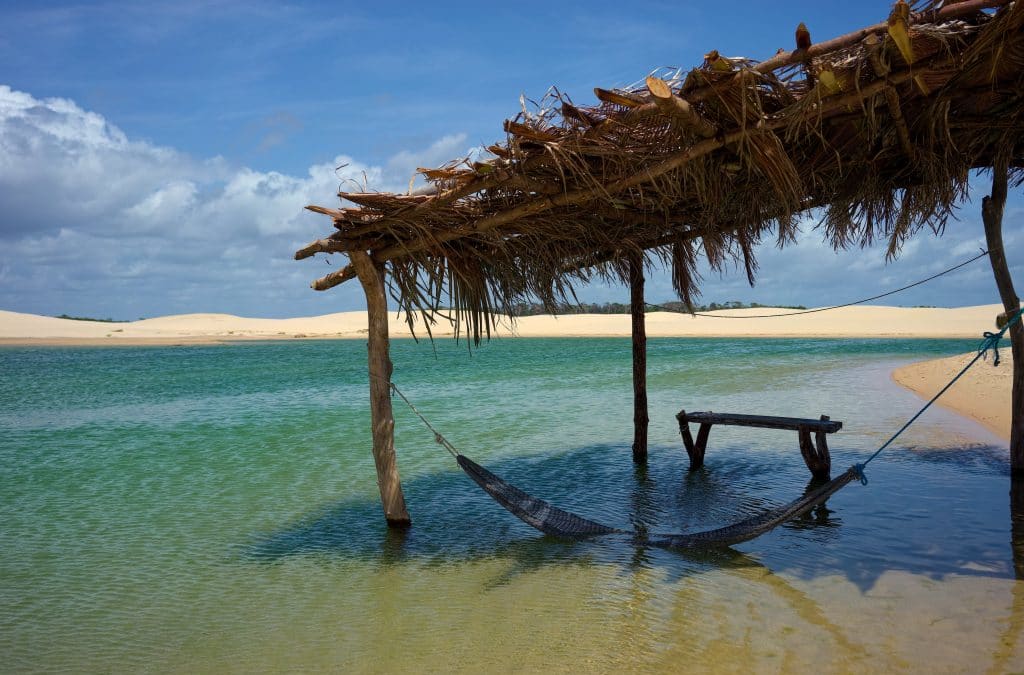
(214, 509)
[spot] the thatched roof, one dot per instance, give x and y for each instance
(878, 129)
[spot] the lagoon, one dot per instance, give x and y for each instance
(213, 508)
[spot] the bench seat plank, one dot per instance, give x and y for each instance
(763, 421)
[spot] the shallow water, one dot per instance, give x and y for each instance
(214, 509)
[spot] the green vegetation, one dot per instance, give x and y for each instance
(533, 309)
(89, 318)
(677, 306)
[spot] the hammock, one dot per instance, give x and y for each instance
(556, 522)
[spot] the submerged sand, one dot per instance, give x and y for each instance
(860, 321)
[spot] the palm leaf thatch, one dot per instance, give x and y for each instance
(878, 129)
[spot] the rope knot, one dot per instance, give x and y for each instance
(991, 342)
(858, 472)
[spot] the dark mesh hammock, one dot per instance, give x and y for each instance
(556, 522)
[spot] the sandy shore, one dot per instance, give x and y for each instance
(983, 393)
(861, 321)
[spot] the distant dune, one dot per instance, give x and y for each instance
(861, 321)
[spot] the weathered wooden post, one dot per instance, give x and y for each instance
(637, 309)
(371, 276)
(992, 216)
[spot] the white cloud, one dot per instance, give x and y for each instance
(440, 152)
(164, 205)
(96, 222)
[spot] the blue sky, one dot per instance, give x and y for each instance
(156, 159)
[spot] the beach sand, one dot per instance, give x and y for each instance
(860, 321)
(983, 393)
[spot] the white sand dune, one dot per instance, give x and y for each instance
(860, 321)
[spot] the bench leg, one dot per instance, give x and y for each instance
(815, 454)
(824, 459)
(702, 444)
(695, 450)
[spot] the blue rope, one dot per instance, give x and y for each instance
(991, 341)
(821, 309)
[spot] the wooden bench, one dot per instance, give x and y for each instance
(815, 454)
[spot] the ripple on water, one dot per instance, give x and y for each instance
(215, 509)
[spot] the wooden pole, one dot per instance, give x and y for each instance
(637, 308)
(678, 108)
(992, 216)
(371, 276)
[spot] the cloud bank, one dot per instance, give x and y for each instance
(96, 223)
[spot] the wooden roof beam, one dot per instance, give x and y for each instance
(338, 242)
(377, 199)
(678, 108)
(950, 11)
(892, 99)
(798, 56)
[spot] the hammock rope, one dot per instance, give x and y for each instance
(825, 309)
(556, 522)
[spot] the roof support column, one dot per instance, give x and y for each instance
(637, 308)
(992, 215)
(371, 276)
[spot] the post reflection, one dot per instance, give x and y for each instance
(1017, 525)
(1007, 645)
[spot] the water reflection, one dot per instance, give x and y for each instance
(821, 516)
(1017, 525)
(670, 605)
(1010, 638)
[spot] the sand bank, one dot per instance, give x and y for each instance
(983, 393)
(861, 321)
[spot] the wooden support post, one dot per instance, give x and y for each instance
(637, 308)
(371, 276)
(992, 216)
